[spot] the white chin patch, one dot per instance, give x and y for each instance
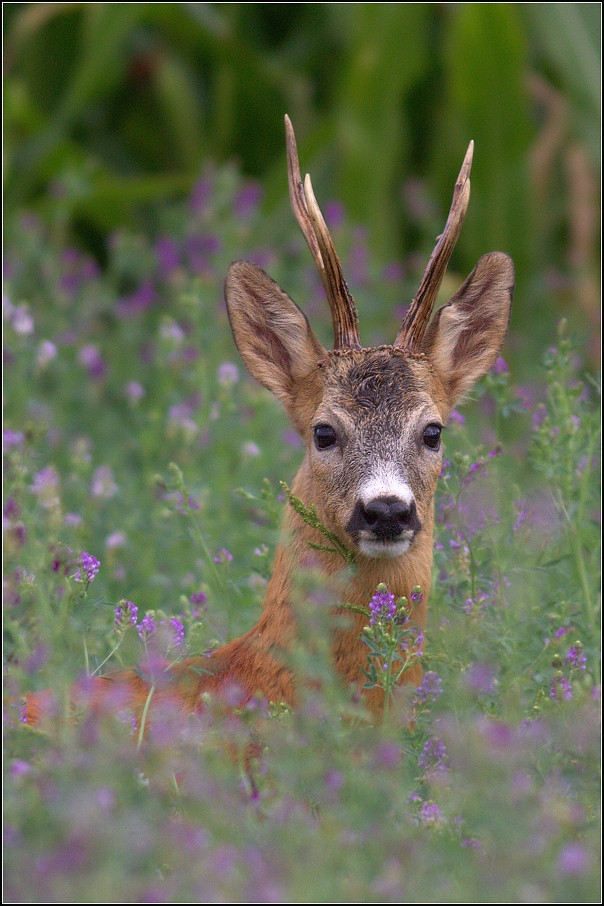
(384, 548)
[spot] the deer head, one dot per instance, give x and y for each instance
(371, 418)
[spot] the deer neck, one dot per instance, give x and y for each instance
(354, 584)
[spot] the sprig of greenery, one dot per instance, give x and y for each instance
(393, 640)
(310, 517)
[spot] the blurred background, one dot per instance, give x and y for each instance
(112, 111)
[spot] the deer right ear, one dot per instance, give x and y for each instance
(466, 335)
(272, 334)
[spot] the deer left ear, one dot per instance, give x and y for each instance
(465, 336)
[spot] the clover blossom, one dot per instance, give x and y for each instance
(575, 656)
(433, 756)
(382, 606)
(561, 689)
(148, 627)
(431, 814)
(125, 614)
(179, 632)
(88, 568)
(430, 688)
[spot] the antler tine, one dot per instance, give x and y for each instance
(314, 229)
(416, 320)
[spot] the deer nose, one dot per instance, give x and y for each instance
(389, 517)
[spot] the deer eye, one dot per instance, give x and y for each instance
(431, 436)
(325, 437)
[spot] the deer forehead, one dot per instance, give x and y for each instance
(381, 389)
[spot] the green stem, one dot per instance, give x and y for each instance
(102, 664)
(217, 576)
(141, 732)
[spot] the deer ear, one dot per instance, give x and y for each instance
(273, 336)
(466, 335)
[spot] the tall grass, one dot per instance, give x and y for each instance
(136, 460)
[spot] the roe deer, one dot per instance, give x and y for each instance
(371, 420)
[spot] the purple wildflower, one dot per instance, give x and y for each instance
(248, 199)
(45, 486)
(539, 416)
(92, 360)
(472, 843)
(167, 255)
(334, 214)
(134, 391)
(457, 417)
(11, 509)
(476, 606)
(431, 814)
(170, 330)
(179, 632)
(140, 300)
(430, 688)
(521, 514)
(561, 689)
(223, 556)
(147, 627)
(560, 632)
(125, 614)
(292, 439)
(198, 597)
(89, 567)
(47, 351)
(575, 656)
(573, 859)
(433, 757)
(22, 321)
(228, 374)
(382, 606)
(200, 195)
(394, 272)
(479, 678)
(500, 366)
(115, 539)
(180, 416)
(102, 484)
(12, 438)
(73, 519)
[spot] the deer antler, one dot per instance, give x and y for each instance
(314, 229)
(416, 320)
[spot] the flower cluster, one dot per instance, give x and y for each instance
(125, 614)
(561, 689)
(575, 656)
(88, 568)
(429, 689)
(147, 627)
(433, 758)
(382, 606)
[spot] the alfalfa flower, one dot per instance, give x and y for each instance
(88, 568)
(147, 627)
(382, 606)
(575, 656)
(430, 688)
(125, 614)
(178, 632)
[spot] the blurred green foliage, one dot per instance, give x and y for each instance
(110, 109)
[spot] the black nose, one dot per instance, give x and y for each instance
(387, 517)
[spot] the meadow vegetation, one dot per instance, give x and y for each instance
(141, 513)
(143, 466)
